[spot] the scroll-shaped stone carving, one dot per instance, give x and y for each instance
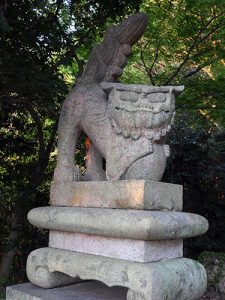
(127, 124)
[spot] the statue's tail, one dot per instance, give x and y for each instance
(108, 59)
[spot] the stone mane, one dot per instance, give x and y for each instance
(108, 59)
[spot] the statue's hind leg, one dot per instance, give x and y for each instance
(66, 170)
(68, 134)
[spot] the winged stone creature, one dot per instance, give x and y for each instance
(126, 124)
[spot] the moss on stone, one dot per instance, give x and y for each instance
(214, 263)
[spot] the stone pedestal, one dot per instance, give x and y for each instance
(179, 278)
(133, 239)
(132, 194)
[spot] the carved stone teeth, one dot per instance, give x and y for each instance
(163, 107)
(151, 148)
(149, 135)
(173, 118)
(163, 133)
(135, 134)
(126, 133)
(157, 136)
(156, 108)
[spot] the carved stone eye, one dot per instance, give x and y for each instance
(128, 96)
(156, 97)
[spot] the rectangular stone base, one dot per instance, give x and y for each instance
(128, 249)
(134, 194)
(92, 290)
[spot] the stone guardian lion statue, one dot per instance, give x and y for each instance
(127, 124)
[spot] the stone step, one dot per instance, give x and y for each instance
(136, 194)
(120, 223)
(128, 249)
(92, 290)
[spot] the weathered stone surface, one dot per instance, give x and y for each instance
(137, 194)
(92, 290)
(127, 124)
(126, 158)
(120, 223)
(133, 250)
(175, 279)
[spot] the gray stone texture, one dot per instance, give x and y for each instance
(173, 279)
(120, 223)
(135, 194)
(92, 290)
(129, 249)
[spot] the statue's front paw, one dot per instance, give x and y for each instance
(67, 173)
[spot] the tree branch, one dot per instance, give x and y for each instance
(196, 42)
(149, 69)
(145, 65)
(154, 61)
(72, 47)
(195, 70)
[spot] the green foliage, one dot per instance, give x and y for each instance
(184, 45)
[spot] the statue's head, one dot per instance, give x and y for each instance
(141, 110)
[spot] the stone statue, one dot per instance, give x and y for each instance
(127, 124)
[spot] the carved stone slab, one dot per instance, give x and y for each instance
(175, 279)
(120, 223)
(129, 249)
(138, 194)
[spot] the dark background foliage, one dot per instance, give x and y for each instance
(198, 163)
